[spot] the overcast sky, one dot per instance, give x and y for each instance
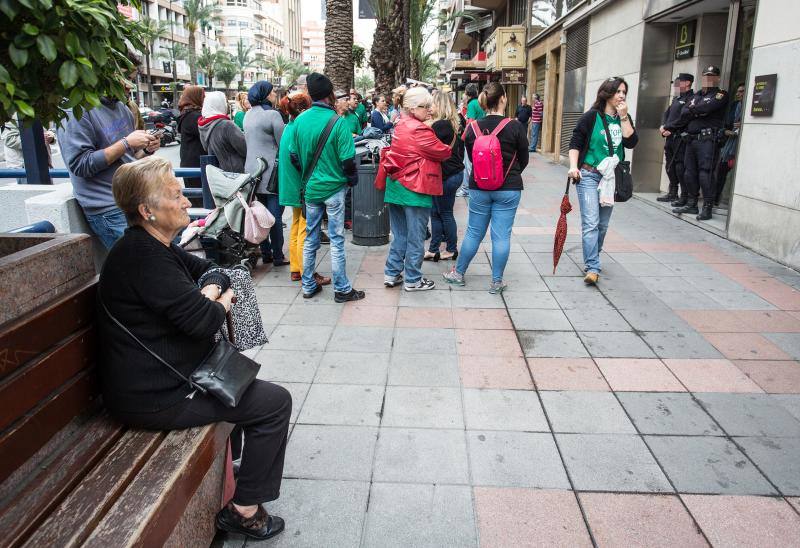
(363, 29)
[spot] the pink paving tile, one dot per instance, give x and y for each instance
(494, 372)
(639, 375)
(566, 374)
(775, 377)
(711, 376)
(620, 247)
(745, 346)
(367, 280)
(714, 321)
(482, 318)
(715, 257)
(639, 520)
(379, 297)
(368, 316)
(770, 321)
(539, 230)
(773, 290)
(745, 521)
(424, 317)
(795, 314)
(495, 342)
(737, 271)
(794, 502)
(529, 517)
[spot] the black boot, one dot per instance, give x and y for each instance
(690, 207)
(680, 202)
(667, 198)
(706, 214)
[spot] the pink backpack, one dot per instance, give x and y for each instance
(487, 158)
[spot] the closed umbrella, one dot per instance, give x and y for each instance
(561, 227)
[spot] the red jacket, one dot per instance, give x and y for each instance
(414, 159)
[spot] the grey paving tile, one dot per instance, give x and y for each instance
(299, 391)
(668, 413)
(788, 342)
(790, 402)
(353, 368)
(411, 340)
(568, 284)
(533, 319)
(713, 284)
(648, 269)
(687, 300)
(301, 313)
(654, 319)
(427, 299)
(740, 300)
(552, 344)
(443, 516)
(361, 339)
(633, 257)
(343, 404)
(503, 410)
(277, 294)
(330, 452)
(615, 344)
(611, 462)
(411, 455)
(677, 345)
(419, 407)
(272, 313)
(586, 412)
(778, 458)
(319, 513)
(530, 299)
(692, 269)
(581, 301)
(612, 283)
(297, 337)
(750, 414)
(711, 465)
(631, 299)
(515, 459)
(424, 370)
(476, 299)
(287, 365)
(604, 319)
(674, 258)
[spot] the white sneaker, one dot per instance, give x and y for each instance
(392, 281)
(424, 284)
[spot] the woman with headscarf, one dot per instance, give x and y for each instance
(190, 105)
(219, 135)
(263, 128)
(242, 106)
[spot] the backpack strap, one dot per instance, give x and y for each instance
(475, 129)
(503, 123)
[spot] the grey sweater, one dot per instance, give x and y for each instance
(262, 130)
(224, 140)
(82, 143)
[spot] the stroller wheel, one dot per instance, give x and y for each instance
(249, 263)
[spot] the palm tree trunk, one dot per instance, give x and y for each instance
(192, 59)
(149, 79)
(339, 43)
(382, 58)
(174, 84)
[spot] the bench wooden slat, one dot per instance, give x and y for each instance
(154, 502)
(37, 379)
(22, 439)
(25, 338)
(36, 499)
(84, 508)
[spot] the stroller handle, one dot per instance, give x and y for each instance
(262, 167)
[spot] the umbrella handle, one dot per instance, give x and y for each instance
(569, 182)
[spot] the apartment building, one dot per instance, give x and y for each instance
(313, 33)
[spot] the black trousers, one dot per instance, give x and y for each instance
(673, 155)
(699, 160)
(263, 415)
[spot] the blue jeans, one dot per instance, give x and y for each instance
(109, 226)
(467, 171)
(594, 219)
(314, 212)
(408, 241)
(273, 245)
(443, 223)
(499, 207)
(536, 128)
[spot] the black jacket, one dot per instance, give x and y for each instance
(191, 147)
(583, 131)
(513, 141)
(152, 290)
(524, 113)
(672, 116)
(455, 163)
(706, 109)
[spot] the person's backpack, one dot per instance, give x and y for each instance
(487, 157)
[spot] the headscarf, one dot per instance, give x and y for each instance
(258, 95)
(215, 106)
(192, 98)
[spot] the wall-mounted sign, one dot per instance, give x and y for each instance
(479, 24)
(505, 48)
(365, 10)
(684, 41)
(764, 95)
(514, 76)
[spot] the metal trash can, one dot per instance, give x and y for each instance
(370, 214)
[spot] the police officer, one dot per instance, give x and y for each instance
(704, 115)
(671, 128)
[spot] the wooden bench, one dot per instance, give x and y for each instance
(72, 476)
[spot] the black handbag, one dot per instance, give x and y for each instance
(272, 184)
(623, 180)
(224, 373)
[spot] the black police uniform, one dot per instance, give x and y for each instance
(704, 115)
(674, 148)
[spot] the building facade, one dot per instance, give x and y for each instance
(292, 34)
(313, 40)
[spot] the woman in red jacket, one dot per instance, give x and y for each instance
(411, 171)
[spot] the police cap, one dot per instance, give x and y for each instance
(684, 76)
(711, 70)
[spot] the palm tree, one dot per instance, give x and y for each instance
(199, 15)
(279, 65)
(339, 43)
(364, 82)
(226, 69)
(151, 30)
(208, 61)
(243, 60)
(387, 57)
(420, 15)
(295, 70)
(172, 53)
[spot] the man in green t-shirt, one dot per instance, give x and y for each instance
(324, 187)
(361, 110)
(350, 116)
(474, 112)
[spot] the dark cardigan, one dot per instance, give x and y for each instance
(455, 163)
(582, 133)
(377, 122)
(152, 290)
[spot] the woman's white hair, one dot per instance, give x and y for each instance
(415, 97)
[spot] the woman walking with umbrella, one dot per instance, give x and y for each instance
(607, 122)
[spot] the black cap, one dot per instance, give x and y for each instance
(711, 70)
(684, 76)
(319, 86)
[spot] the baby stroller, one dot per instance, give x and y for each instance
(220, 236)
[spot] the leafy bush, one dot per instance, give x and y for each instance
(60, 54)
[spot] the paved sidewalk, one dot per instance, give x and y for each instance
(660, 408)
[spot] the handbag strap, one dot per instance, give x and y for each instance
(608, 134)
(323, 138)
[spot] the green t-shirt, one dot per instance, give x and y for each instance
(397, 194)
(361, 112)
(328, 177)
(474, 110)
(238, 119)
(289, 180)
(598, 144)
(352, 122)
